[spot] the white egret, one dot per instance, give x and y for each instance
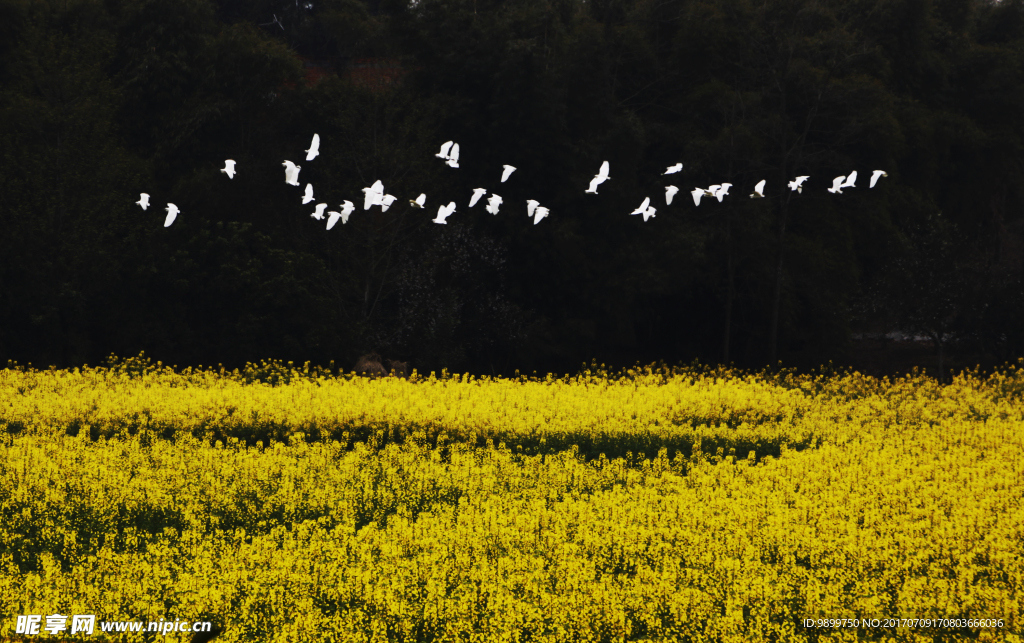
(444, 151)
(531, 205)
(539, 214)
(643, 206)
(229, 168)
(370, 198)
(837, 185)
(346, 210)
(493, 202)
(718, 191)
(172, 214)
(444, 212)
(143, 200)
(477, 193)
(373, 195)
(314, 148)
(850, 180)
(758, 192)
(386, 202)
(291, 173)
(798, 184)
(453, 158)
(648, 213)
(319, 214)
(874, 177)
(308, 196)
(672, 169)
(601, 177)
(419, 201)
(670, 192)
(697, 194)
(507, 172)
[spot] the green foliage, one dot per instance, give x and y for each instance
(101, 100)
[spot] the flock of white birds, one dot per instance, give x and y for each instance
(375, 196)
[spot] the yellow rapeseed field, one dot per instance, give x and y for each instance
(685, 504)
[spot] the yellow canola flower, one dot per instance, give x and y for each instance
(863, 499)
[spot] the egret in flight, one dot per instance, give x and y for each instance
(837, 185)
(531, 205)
(798, 184)
(143, 200)
(874, 177)
(601, 177)
(444, 212)
(712, 190)
(373, 195)
(643, 206)
(314, 148)
(672, 169)
(319, 214)
(172, 214)
(723, 190)
(291, 173)
(454, 157)
(697, 194)
(444, 151)
(477, 193)
(670, 192)
(229, 168)
(493, 202)
(419, 201)
(308, 196)
(648, 213)
(758, 192)
(539, 214)
(386, 202)
(346, 210)
(850, 180)
(507, 172)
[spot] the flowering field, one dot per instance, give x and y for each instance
(292, 504)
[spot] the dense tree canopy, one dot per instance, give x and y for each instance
(103, 99)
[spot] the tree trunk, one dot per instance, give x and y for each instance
(773, 339)
(730, 290)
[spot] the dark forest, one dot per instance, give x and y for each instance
(103, 99)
